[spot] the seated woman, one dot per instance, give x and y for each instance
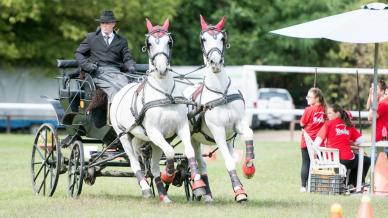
(339, 133)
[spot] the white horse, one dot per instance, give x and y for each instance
(153, 111)
(224, 113)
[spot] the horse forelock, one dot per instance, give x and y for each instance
(212, 30)
(158, 32)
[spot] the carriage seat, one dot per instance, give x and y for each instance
(96, 101)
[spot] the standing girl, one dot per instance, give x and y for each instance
(382, 110)
(312, 120)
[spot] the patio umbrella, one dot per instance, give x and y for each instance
(366, 25)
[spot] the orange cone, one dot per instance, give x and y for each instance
(336, 211)
(381, 175)
(365, 210)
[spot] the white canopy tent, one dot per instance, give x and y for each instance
(366, 25)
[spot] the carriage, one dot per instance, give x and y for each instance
(83, 128)
(220, 108)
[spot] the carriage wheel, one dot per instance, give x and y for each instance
(45, 160)
(76, 170)
(188, 190)
(152, 186)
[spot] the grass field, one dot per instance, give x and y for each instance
(273, 192)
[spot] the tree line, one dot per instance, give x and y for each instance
(36, 33)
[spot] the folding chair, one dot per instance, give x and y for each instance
(322, 159)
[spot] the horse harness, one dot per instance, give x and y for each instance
(169, 100)
(196, 121)
(158, 33)
(213, 31)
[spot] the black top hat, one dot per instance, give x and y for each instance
(107, 17)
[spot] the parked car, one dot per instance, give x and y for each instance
(270, 101)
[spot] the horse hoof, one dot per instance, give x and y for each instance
(242, 201)
(165, 199)
(198, 184)
(208, 199)
(166, 178)
(248, 169)
(240, 196)
(147, 193)
(199, 192)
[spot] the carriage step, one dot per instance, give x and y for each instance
(114, 173)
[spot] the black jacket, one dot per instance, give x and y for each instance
(94, 50)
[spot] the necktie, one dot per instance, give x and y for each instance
(107, 39)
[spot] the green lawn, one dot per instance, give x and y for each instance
(273, 192)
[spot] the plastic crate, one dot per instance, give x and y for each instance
(327, 184)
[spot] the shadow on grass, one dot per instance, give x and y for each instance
(265, 203)
(181, 200)
(111, 196)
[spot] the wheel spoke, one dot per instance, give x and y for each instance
(45, 145)
(43, 165)
(40, 169)
(52, 174)
(44, 179)
(40, 153)
(71, 186)
(41, 136)
(41, 185)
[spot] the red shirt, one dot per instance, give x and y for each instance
(313, 119)
(338, 136)
(382, 120)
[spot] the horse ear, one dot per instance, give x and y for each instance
(203, 23)
(149, 25)
(166, 25)
(220, 25)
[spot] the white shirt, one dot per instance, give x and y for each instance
(111, 36)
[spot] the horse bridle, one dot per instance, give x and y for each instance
(157, 33)
(213, 31)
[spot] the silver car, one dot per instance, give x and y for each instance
(271, 105)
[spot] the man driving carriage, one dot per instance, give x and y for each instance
(104, 54)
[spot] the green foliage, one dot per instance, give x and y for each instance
(38, 32)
